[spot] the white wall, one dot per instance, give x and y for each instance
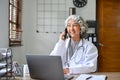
(88, 12)
(38, 43)
(4, 23)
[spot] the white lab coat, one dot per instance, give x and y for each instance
(84, 59)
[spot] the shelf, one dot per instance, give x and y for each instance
(5, 62)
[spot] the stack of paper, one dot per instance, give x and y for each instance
(91, 77)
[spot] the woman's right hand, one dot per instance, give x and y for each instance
(62, 36)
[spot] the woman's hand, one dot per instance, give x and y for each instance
(62, 36)
(66, 70)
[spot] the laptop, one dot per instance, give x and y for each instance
(45, 67)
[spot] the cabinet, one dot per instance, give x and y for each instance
(5, 63)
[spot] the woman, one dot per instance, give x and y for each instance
(78, 55)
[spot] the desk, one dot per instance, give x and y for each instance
(110, 76)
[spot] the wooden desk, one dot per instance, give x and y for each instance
(110, 76)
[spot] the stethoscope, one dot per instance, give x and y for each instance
(75, 59)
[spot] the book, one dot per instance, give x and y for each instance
(91, 77)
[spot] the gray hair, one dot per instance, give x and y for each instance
(81, 22)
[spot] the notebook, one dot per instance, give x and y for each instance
(45, 67)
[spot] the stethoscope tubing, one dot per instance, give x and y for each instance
(75, 56)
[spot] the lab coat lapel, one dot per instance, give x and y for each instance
(67, 43)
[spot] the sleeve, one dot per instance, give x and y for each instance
(59, 48)
(90, 62)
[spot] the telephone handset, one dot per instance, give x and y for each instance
(66, 33)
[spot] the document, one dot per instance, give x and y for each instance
(91, 77)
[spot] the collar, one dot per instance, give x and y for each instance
(80, 43)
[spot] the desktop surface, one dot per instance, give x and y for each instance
(110, 76)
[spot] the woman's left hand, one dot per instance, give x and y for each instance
(66, 70)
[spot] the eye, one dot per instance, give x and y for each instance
(75, 25)
(68, 25)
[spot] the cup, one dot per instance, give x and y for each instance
(25, 69)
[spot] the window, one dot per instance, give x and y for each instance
(15, 17)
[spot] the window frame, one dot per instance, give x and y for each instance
(15, 22)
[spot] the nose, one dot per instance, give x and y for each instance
(71, 27)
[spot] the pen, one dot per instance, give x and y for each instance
(88, 77)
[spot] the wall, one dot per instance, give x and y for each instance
(40, 43)
(4, 23)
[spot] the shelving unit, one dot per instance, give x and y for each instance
(6, 63)
(93, 37)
